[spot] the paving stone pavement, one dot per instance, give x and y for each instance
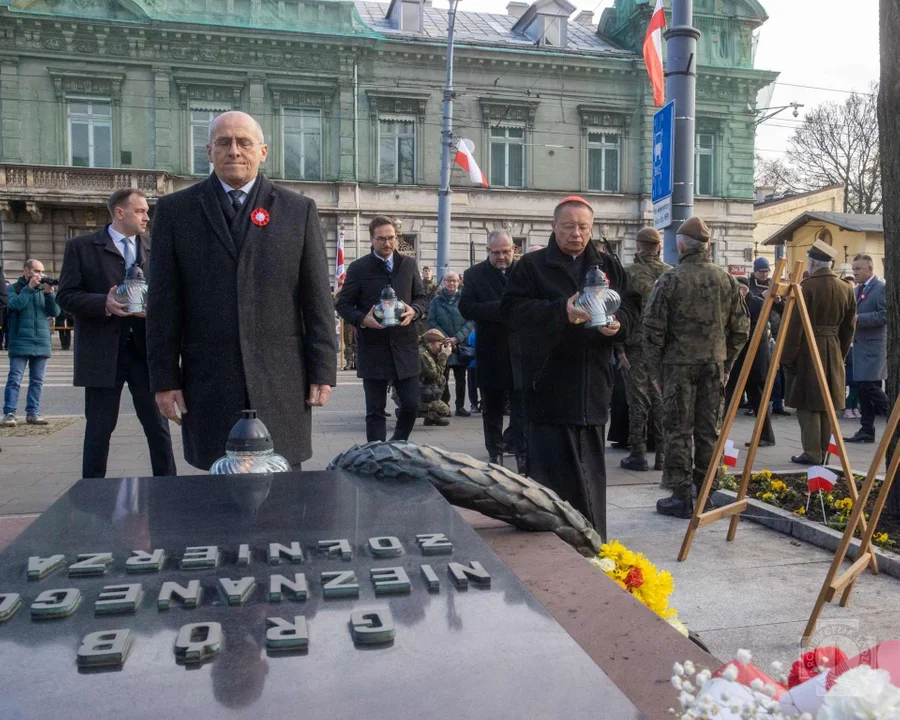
(755, 592)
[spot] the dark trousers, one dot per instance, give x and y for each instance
(65, 339)
(471, 379)
(754, 397)
(101, 409)
(779, 389)
(493, 402)
(376, 399)
(459, 374)
(871, 400)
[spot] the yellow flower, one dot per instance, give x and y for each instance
(844, 504)
(880, 537)
(800, 511)
(766, 474)
(767, 496)
(777, 486)
(655, 586)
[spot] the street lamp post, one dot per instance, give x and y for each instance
(443, 248)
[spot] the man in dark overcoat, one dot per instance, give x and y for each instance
(482, 289)
(385, 354)
(240, 311)
(832, 312)
(110, 343)
(567, 371)
(869, 347)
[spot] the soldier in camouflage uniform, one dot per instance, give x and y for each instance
(433, 354)
(644, 403)
(695, 324)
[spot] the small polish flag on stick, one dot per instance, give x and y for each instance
(340, 271)
(466, 160)
(731, 454)
(653, 53)
(832, 446)
(819, 478)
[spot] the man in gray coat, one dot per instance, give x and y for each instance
(869, 347)
(240, 313)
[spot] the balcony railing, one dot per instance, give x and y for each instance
(91, 183)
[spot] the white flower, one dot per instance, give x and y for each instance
(703, 677)
(730, 673)
(676, 682)
(744, 656)
(689, 667)
(607, 564)
(862, 694)
(678, 669)
(777, 667)
(756, 684)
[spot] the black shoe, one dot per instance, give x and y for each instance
(497, 459)
(781, 411)
(861, 437)
(804, 459)
(635, 461)
(762, 443)
(676, 506)
(441, 422)
(750, 413)
(660, 461)
(476, 409)
(620, 446)
(462, 412)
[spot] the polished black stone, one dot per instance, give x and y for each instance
(481, 652)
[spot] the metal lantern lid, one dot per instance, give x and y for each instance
(595, 277)
(388, 293)
(135, 273)
(249, 434)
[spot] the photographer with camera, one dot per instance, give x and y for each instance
(31, 302)
(434, 350)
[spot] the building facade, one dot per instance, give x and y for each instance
(99, 94)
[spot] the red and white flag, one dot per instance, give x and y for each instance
(731, 454)
(466, 160)
(832, 446)
(340, 272)
(653, 53)
(819, 478)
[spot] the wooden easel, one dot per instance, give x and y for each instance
(834, 584)
(793, 295)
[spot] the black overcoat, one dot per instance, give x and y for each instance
(392, 352)
(482, 289)
(91, 266)
(233, 328)
(567, 369)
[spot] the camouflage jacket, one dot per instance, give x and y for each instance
(643, 273)
(695, 315)
(431, 368)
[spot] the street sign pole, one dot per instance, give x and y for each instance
(443, 245)
(681, 86)
(663, 165)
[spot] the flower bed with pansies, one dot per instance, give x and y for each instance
(787, 491)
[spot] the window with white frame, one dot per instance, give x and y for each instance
(200, 120)
(704, 164)
(397, 151)
(603, 161)
(508, 157)
(302, 143)
(90, 133)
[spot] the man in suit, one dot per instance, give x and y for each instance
(869, 347)
(110, 343)
(385, 355)
(482, 289)
(240, 311)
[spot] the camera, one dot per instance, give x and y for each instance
(47, 280)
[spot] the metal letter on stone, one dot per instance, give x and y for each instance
(340, 583)
(198, 641)
(434, 544)
(334, 547)
(387, 546)
(9, 605)
(55, 603)
(372, 627)
(144, 562)
(90, 564)
(39, 567)
(107, 647)
(462, 574)
(243, 559)
(190, 595)
(115, 599)
(294, 553)
(390, 580)
(431, 579)
(195, 558)
(296, 589)
(284, 635)
(238, 591)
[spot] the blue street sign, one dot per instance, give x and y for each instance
(663, 164)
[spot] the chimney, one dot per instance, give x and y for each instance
(764, 192)
(585, 18)
(516, 9)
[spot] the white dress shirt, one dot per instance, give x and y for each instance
(245, 189)
(119, 241)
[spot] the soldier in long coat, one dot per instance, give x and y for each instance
(832, 312)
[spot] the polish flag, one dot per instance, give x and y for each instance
(832, 446)
(466, 160)
(819, 478)
(653, 53)
(731, 454)
(340, 272)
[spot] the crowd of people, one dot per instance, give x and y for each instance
(240, 315)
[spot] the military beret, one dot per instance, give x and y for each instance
(821, 250)
(648, 235)
(694, 228)
(434, 335)
(743, 280)
(761, 263)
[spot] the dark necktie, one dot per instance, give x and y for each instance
(235, 196)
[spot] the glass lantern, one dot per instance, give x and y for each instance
(249, 449)
(133, 291)
(598, 298)
(389, 311)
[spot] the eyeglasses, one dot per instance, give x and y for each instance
(385, 238)
(244, 143)
(572, 227)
